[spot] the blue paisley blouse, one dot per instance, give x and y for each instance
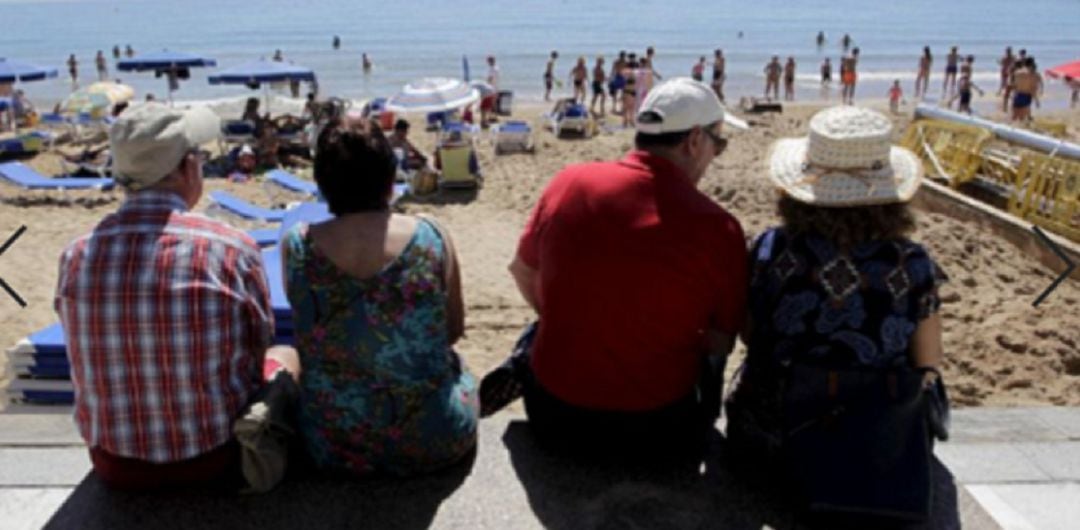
(857, 308)
(381, 388)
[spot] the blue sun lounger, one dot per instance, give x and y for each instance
(25, 177)
(265, 237)
(292, 182)
(238, 206)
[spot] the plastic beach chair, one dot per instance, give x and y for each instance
(235, 205)
(457, 129)
(25, 177)
(513, 136)
(235, 132)
(265, 237)
(458, 167)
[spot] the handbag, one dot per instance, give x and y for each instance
(858, 441)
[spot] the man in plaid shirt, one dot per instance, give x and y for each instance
(166, 313)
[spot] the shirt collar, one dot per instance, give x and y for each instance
(655, 164)
(155, 199)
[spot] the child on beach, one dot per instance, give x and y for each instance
(963, 93)
(698, 70)
(895, 93)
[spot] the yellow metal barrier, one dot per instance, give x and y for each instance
(950, 150)
(1048, 194)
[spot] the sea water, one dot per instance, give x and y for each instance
(410, 39)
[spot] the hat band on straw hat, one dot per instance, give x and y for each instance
(811, 177)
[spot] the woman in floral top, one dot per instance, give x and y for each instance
(838, 284)
(377, 305)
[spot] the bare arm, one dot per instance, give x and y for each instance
(527, 280)
(926, 349)
(456, 297)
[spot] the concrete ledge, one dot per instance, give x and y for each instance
(934, 197)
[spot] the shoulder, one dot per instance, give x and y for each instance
(201, 228)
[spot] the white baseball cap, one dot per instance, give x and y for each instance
(148, 141)
(681, 104)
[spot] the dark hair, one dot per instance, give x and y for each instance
(401, 125)
(926, 51)
(668, 139)
(849, 226)
(354, 167)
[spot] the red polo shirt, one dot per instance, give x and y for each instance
(633, 264)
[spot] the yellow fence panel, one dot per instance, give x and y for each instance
(1048, 194)
(949, 150)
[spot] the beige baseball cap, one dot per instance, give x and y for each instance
(681, 104)
(148, 141)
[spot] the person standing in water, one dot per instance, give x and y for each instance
(789, 79)
(1006, 64)
(820, 39)
(719, 64)
(773, 69)
(849, 76)
(697, 72)
(337, 42)
(922, 78)
(365, 62)
(73, 70)
(102, 66)
(846, 42)
(952, 66)
(826, 73)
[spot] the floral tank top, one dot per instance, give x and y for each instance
(381, 389)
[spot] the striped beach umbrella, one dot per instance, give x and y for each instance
(116, 92)
(82, 101)
(433, 94)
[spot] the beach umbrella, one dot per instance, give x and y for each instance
(12, 71)
(262, 72)
(95, 104)
(433, 94)
(165, 62)
(116, 92)
(1065, 70)
(484, 88)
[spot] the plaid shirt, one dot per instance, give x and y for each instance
(167, 317)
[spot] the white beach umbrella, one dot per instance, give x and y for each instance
(433, 94)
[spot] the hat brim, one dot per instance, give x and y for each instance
(731, 120)
(896, 182)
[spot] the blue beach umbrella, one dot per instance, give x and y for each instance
(262, 72)
(17, 71)
(167, 62)
(465, 68)
(433, 94)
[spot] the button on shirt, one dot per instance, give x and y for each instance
(634, 263)
(167, 316)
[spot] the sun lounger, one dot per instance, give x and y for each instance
(292, 182)
(40, 369)
(236, 132)
(25, 177)
(457, 131)
(513, 136)
(265, 237)
(26, 143)
(570, 116)
(238, 206)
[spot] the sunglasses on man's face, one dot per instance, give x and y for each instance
(719, 143)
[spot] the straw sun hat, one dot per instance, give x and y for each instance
(847, 160)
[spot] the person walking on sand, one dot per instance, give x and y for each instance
(598, 86)
(549, 74)
(963, 93)
(639, 384)
(772, 70)
(697, 72)
(617, 82)
(73, 70)
(952, 66)
(1005, 63)
(579, 74)
(895, 94)
(922, 77)
(719, 64)
(102, 66)
(789, 79)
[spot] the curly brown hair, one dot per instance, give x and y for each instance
(846, 227)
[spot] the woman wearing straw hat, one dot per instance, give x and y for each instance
(837, 287)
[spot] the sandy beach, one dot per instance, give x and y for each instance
(999, 349)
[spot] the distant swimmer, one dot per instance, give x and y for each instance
(820, 39)
(278, 56)
(846, 42)
(337, 42)
(740, 34)
(826, 73)
(102, 66)
(129, 52)
(73, 70)
(116, 52)
(365, 62)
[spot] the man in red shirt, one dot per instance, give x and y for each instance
(639, 280)
(166, 315)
